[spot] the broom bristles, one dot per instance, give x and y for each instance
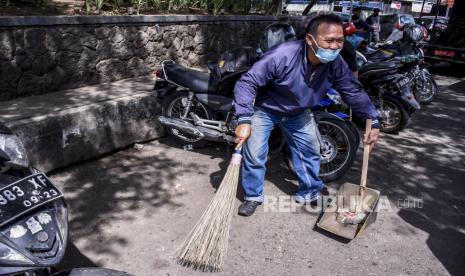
(206, 245)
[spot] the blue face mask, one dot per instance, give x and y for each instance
(325, 55)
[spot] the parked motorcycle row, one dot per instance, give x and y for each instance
(396, 78)
(197, 106)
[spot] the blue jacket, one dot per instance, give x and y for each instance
(283, 82)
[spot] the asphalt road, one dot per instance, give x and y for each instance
(131, 210)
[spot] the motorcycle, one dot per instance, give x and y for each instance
(388, 83)
(193, 115)
(33, 217)
(422, 80)
(197, 106)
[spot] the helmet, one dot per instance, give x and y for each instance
(413, 33)
(275, 34)
(349, 29)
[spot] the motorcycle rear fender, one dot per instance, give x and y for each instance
(408, 97)
(325, 115)
(162, 91)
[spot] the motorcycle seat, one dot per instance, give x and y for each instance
(378, 56)
(379, 68)
(194, 80)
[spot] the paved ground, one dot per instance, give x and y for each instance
(130, 210)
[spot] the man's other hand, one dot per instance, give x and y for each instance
(242, 134)
(370, 138)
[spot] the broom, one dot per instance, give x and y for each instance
(207, 243)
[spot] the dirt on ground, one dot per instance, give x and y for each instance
(131, 210)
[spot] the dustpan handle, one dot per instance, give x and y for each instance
(366, 156)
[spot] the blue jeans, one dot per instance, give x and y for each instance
(300, 132)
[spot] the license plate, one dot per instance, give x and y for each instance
(403, 82)
(444, 53)
(24, 195)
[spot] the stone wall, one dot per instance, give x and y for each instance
(39, 55)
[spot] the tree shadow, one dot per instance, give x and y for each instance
(421, 170)
(103, 191)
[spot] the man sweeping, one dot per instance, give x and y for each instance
(279, 90)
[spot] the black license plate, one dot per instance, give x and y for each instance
(23, 195)
(403, 82)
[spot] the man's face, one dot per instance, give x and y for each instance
(329, 36)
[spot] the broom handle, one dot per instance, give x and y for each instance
(366, 156)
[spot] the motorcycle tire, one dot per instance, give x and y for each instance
(171, 108)
(355, 133)
(427, 98)
(336, 135)
(402, 118)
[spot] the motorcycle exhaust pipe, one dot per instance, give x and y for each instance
(180, 125)
(215, 135)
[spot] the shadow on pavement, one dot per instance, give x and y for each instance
(420, 170)
(74, 258)
(103, 191)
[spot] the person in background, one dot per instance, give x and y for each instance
(361, 25)
(348, 52)
(374, 21)
(284, 11)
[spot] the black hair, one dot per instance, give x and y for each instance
(355, 17)
(329, 18)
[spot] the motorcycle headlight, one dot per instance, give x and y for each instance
(62, 219)
(9, 256)
(12, 145)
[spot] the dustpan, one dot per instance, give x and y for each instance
(352, 197)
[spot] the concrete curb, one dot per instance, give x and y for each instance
(87, 127)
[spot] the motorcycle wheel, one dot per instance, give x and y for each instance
(355, 133)
(174, 106)
(337, 150)
(428, 90)
(394, 116)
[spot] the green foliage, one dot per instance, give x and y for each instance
(213, 6)
(157, 4)
(88, 6)
(38, 3)
(99, 4)
(138, 4)
(217, 4)
(117, 3)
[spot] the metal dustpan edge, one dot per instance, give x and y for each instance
(329, 223)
